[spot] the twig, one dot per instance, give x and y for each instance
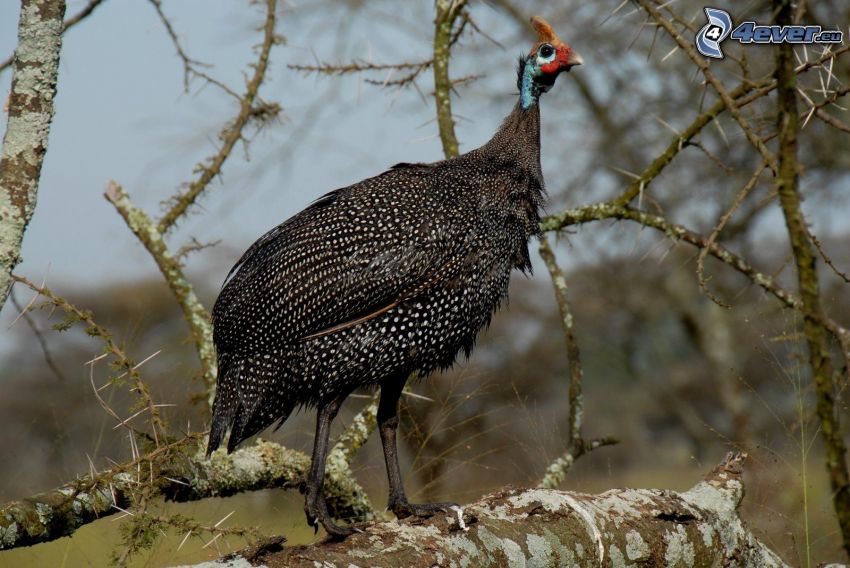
(576, 445)
(96, 330)
(725, 96)
(715, 233)
(39, 336)
(231, 133)
(188, 63)
(826, 258)
(447, 13)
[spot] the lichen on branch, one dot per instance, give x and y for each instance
(180, 472)
(544, 527)
(30, 106)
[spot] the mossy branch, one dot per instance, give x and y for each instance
(447, 13)
(81, 15)
(576, 444)
(543, 527)
(30, 106)
(194, 312)
(805, 258)
(180, 472)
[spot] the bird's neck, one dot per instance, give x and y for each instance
(518, 141)
(529, 89)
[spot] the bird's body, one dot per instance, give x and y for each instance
(395, 274)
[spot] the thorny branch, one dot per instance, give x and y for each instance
(699, 61)
(715, 233)
(178, 471)
(194, 312)
(232, 133)
(577, 446)
(820, 358)
(413, 70)
(123, 363)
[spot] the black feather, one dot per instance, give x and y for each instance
(394, 274)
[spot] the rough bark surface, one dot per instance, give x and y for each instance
(30, 113)
(184, 474)
(545, 527)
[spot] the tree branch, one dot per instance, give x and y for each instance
(726, 97)
(577, 446)
(84, 13)
(123, 362)
(447, 13)
(180, 472)
(30, 114)
(231, 133)
(805, 258)
(194, 312)
(543, 527)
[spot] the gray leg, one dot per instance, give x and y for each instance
(388, 424)
(314, 503)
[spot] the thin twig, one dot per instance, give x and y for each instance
(715, 233)
(188, 63)
(576, 444)
(231, 133)
(39, 336)
(122, 360)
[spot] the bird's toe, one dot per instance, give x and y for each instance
(423, 510)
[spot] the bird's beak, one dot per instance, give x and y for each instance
(568, 58)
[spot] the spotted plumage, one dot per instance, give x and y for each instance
(393, 274)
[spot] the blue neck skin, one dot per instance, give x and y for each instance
(530, 92)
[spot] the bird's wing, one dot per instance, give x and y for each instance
(351, 256)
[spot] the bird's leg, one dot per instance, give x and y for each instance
(388, 425)
(314, 503)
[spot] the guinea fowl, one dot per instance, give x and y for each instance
(394, 274)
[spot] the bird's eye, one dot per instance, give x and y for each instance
(547, 51)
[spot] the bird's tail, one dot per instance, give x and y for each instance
(248, 399)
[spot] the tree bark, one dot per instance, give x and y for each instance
(179, 473)
(30, 113)
(545, 527)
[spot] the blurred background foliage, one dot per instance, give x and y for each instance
(676, 378)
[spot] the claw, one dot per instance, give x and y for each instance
(459, 513)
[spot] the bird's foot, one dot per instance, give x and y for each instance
(317, 512)
(403, 509)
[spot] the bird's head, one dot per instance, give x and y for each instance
(548, 58)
